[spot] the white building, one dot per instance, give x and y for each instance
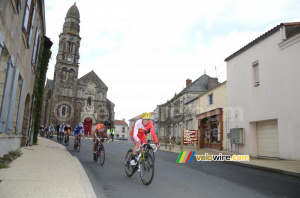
(121, 129)
(263, 93)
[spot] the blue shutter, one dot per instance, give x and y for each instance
(12, 100)
(34, 46)
(31, 26)
(27, 10)
(38, 53)
(20, 106)
(19, 6)
(3, 115)
(1, 42)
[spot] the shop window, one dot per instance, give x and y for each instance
(207, 134)
(214, 135)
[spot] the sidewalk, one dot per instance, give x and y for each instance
(287, 167)
(45, 170)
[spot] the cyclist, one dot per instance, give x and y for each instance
(61, 130)
(42, 131)
(67, 131)
(78, 130)
(138, 136)
(99, 132)
(51, 129)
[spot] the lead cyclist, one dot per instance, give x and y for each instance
(138, 136)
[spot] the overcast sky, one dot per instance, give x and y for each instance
(144, 50)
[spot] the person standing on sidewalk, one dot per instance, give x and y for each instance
(112, 132)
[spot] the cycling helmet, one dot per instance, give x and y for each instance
(68, 125)
(99, 126)
(107, 123)
(146, 115)
(80, 124)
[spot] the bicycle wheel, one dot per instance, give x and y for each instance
(151, 152)
(147, 169)
(128, 168)
(101, 156)
(78, 146)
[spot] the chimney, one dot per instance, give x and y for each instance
(123, 119)
(188, 82)
(212, 82)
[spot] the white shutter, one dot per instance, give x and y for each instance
(37, 54)
(31, 26)
(20, 106)
(35, 46)
(3, 113)
(27, 10)
(12, 100)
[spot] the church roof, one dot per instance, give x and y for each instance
(92, 77)
(73, 12)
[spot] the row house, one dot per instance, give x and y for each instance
(121, 129)
(262, 93)
(22, 35)
(176, 114)
(212, 118)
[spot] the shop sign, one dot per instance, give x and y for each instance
(190, 136)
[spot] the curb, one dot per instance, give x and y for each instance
(90, 193)
(274, 170)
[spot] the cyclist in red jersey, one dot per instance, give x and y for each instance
(99, 132)
(138, 135)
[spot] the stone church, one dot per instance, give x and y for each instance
(68, 99)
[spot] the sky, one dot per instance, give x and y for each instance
(144, 50)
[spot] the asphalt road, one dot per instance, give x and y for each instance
(198, 179)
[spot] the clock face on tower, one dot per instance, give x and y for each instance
(68, 59)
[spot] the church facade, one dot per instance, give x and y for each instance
(68, 99)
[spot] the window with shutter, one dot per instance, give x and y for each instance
(12, 100)
(26, 16)
(30, 10)
(35, 44)
(20, 106)
(1, 42)
(6, 94)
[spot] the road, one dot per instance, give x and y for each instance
(198, 179)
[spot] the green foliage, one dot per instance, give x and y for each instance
(8, 158)
(178, 143)
(39, 90)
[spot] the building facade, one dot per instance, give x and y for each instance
(69, 99)
(262, 93)
(212, 118)
(121, 129)
(175, 115)
(22, 33)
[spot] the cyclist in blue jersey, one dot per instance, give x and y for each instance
(78, 130)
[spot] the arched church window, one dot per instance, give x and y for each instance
(89, 101)
(69, 46)
(63, 111)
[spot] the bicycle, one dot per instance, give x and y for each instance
(77, 145)
(150, 150)
(144, 162)
(67, 139)
(51, 135)
(100, 154)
